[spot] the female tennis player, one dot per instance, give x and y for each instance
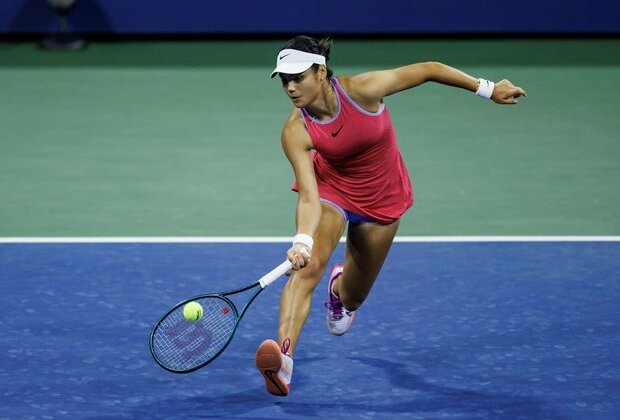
(341, 143)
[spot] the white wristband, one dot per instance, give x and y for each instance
(485, 89)
(302, 238)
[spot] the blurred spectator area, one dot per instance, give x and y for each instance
(390, 17)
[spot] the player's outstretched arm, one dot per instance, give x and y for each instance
(375, 85)
(297, 146)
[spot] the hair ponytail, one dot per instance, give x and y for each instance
(325, 46)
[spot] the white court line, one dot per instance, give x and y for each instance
(287, 239)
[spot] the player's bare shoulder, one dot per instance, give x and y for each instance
(294, 131)
(357, 88)
(349, 85)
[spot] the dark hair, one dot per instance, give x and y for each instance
(312, 45)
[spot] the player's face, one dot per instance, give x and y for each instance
(302, 88)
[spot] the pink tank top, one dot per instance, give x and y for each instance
(357, 162)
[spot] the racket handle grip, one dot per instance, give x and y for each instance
(274, 274)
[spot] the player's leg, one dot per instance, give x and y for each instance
(297, 294)
(274, 360)
(367, 247)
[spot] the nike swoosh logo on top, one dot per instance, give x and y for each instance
(335, 133)
(285, 55)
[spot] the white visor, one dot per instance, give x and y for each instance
(295, 61)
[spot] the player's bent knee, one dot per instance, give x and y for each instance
(310, 276)
(314, 269)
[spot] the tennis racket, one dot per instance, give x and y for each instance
(181, 346)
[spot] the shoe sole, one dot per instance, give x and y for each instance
(269, 362)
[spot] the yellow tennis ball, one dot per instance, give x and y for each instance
(192, 311)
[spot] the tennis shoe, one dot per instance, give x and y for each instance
(338, 319)
(276, 366)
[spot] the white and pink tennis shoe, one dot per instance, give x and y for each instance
(338, 319)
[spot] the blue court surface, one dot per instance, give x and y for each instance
(451, 330)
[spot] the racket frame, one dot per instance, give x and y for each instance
(262, 283)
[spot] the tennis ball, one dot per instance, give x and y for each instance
(192, 311)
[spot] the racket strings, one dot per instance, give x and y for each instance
(182, 345)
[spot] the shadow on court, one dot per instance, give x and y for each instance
(435, 401)
(429, 400)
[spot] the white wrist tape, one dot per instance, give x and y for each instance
(302, 238)
(485, 90)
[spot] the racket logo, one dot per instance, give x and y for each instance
(192, 341)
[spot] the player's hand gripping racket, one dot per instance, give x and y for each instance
(181, 346)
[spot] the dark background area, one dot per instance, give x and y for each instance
(394, 17)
